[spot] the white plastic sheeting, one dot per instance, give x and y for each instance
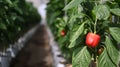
(42, 12)
(55, 51)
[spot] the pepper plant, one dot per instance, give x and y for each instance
(100, 17)
(56, 20)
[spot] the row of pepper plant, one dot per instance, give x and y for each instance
(55, 15)
(16, 16)
(89, 32)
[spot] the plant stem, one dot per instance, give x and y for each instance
(95, 25)
(95, 3)
(96, 61)
(96, 57)
(90, 29)
(65, 3)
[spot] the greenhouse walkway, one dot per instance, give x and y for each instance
(40, 50)
(37, 51)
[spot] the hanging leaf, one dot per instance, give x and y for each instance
(76, 35)
(65, 18)
(9, 2)
(104, 60)
(101, 12)
(73, 3)
(61, 40)
(112, 51)
(115, 32)
(81, 57)
(73, 19)
(115, 11)
(80, 15)
(3, 26)
(18, 10)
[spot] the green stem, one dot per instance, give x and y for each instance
(95, 3)
(89, 19)
(95, 25)
(90, 29)
(101, 1)
(92, 57)
(96, 61)
(96, 57)
(65, 3)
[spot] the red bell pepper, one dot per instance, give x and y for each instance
(63, 33)
(92, 39)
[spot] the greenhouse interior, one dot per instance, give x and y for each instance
(59, 33)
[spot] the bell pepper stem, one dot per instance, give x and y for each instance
(95, 25)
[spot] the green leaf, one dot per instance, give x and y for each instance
(9, 1)
(104, 60)
(3, 26)
(81, 57)
(60, 22)
(76, 35)
(115, 32)
(73, 3)
(101, 12)
(65, 18)
(112, 51)
(61, 40)
(73, 18)
(18, 9)
(115, 11)
(80, 15)
(80, 8)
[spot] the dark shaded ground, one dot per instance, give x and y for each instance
(36, 53)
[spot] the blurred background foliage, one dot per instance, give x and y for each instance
(16, 17)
